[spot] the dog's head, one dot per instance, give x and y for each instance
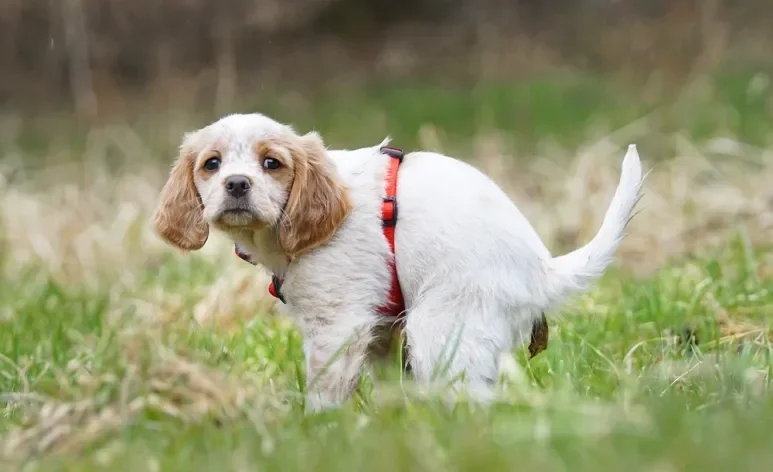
(250, 173)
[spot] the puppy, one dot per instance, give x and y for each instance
(473, 275)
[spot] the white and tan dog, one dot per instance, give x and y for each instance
(474, 274)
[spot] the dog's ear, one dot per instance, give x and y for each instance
(179, 216)
(318, 201)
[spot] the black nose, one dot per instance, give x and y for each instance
(237, 185)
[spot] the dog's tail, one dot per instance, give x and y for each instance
(574, 272)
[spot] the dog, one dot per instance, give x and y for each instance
(467, 270)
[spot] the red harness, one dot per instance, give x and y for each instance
(395, 304)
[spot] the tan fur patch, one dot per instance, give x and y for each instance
(179, 217)
(277, 149)
(205, 174)
(318, 201)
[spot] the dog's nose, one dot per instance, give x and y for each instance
(237, 185)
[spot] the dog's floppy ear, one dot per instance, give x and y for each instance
(318, 201)
(179, 216)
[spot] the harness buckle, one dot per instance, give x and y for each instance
(393, 152)
(387, 220)
(275, 289)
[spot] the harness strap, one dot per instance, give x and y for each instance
(389, 214)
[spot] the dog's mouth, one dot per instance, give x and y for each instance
(238, 217)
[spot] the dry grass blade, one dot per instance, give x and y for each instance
(172, 386)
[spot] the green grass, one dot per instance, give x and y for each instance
(614, 391)
(567, 110)
(734, 101)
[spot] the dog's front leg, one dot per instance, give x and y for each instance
(335, 349)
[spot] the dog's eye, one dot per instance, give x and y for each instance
(212, 164)
(271, 164)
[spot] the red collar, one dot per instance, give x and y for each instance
(395, 304)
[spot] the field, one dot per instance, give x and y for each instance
(118, 353)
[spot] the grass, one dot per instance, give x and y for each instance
(565, 111)
(616, 388)
(735, 101)
(118, 353)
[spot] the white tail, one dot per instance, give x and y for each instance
(574, 272)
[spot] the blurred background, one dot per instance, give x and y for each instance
(533, 68)
(544, 95)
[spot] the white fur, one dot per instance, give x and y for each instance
(474, 273)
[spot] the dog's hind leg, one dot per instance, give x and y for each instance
(455, 340)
